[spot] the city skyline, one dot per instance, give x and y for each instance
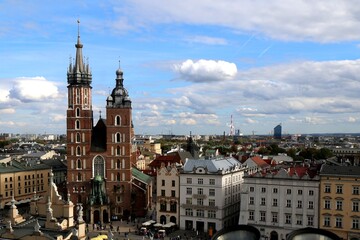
(188, 66)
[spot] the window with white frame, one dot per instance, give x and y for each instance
(327, 189)
(251, 201)
(339, 189)
(188, 212)
(263, 201)
(338, 222)
(211, 181)
(212, 202)
(355, 206)
(251, 215)
(287, 218)
(339, 204)
(275, 202)
(200, 191)
(211, 214)
(327, 204)
(311, 205)
(200, 213)
(263, 216)
(355, 223)
(310, 220)
(299, 204)
(288, 203)
(188, 191)
(200, 181)
(326, 221)
(211, 192)
(274, 217)
(299, 219)
(355, 190)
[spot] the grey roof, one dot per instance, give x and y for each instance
(15, 166)
(340, 170)
(213, 165)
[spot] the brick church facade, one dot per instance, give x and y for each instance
(99, 157)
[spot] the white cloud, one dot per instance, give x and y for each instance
(33, 89)
(58, 117)
(188, 121)
(352, 119)
(7, 111)
(293, 20)
(207, 40)
(206, 70)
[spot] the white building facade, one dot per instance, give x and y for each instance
(278, 202)
(210, 194)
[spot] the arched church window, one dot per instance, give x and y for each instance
(77, 112)
(99, 166)
(78, 164)
(77, 124)
(86, 96)
(78, 151)
(118, 151)
(117, 120)
(118, 164)
(77, 96)
(78, 137)
(118, 137)
(118, 177)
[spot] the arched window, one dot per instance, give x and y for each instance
(118, 137)
(118, 151)
(78, 164)
(117, 120)
(78, 151)
(85, 96)
(118, 164)
(77, 96)
(99, 166)
(77, 112)
(78, 137)
(77, 124)
(79, 177)
(118, 177)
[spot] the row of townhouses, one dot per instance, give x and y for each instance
(211, 194)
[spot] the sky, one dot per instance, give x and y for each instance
(189, 66)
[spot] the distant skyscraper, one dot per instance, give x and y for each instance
(277, 132)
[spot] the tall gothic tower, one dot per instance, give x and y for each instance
(99, 157)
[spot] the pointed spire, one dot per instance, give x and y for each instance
(79, 58)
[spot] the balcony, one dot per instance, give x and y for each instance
(203, 207)
(199, 196)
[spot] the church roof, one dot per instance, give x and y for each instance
(98, 138)
(140, 175)
(213, 165)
